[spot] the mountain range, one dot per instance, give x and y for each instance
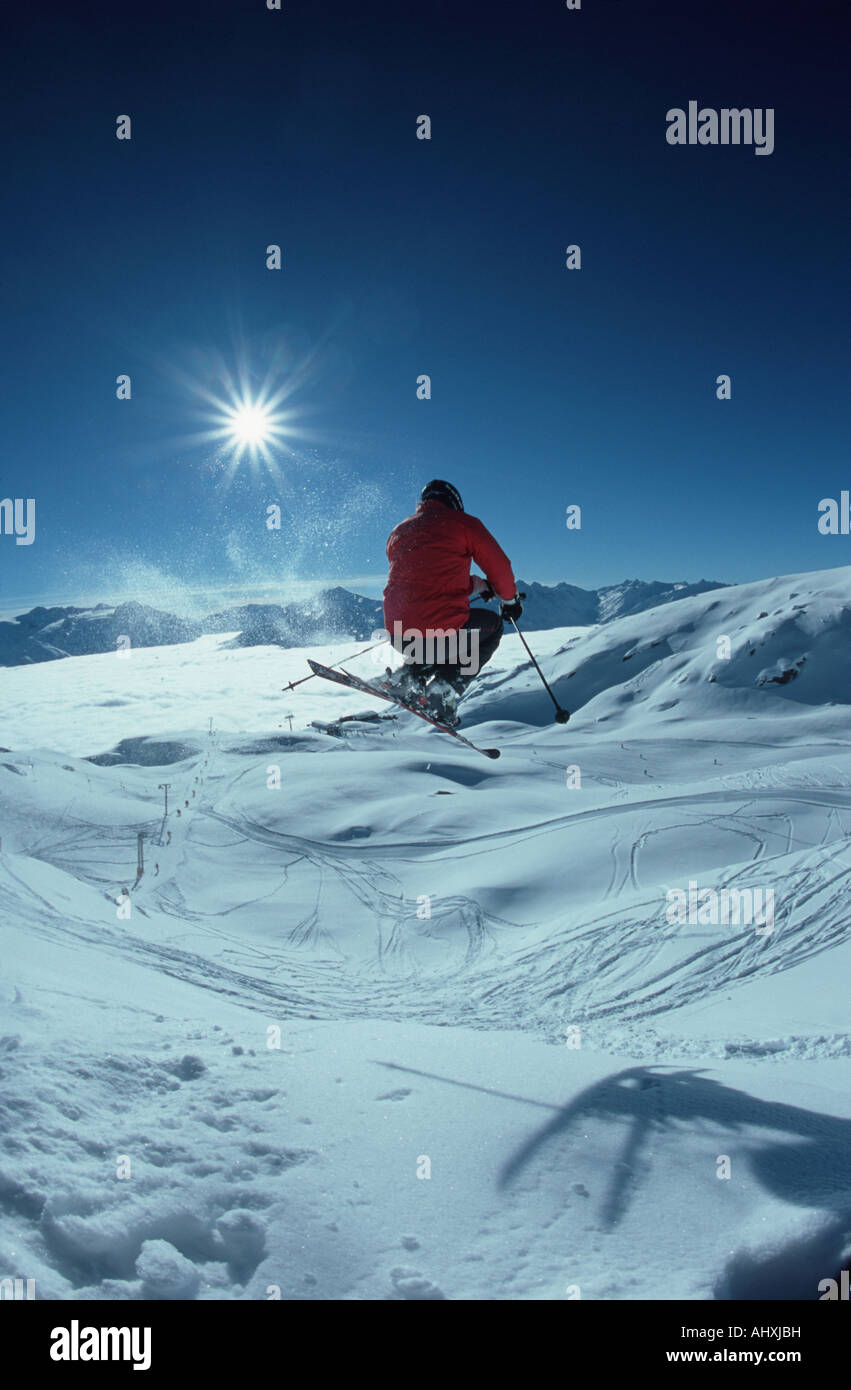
(48, 634)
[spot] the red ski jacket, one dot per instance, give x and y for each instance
(429, 584)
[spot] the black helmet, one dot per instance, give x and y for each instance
(443, 492)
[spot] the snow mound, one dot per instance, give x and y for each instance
(748, 647)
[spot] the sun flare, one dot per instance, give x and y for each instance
(250, 424)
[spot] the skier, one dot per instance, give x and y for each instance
(428, 592)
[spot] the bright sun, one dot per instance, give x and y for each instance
(250, 425)
(250, 429)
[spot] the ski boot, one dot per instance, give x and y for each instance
(404, 685)
(442, 698)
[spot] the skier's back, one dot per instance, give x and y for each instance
(428, 592)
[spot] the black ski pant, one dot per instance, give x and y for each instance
(485, 628)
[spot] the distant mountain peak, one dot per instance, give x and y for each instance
(330, 613)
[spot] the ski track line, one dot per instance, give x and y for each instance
(540, 984)
(582, 954)
(379, 848)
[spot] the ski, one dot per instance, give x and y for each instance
(355, 683)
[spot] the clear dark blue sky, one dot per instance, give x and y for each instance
(401, 257)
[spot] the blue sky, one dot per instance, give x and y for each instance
(402, 257)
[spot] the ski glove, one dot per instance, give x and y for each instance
(512, 610)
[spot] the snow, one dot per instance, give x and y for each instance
(387, 1020)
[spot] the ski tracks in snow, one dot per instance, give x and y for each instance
(330, 927)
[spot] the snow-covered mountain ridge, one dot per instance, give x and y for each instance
(47, 634)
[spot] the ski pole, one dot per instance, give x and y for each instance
(292, 685)
(562, 715)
